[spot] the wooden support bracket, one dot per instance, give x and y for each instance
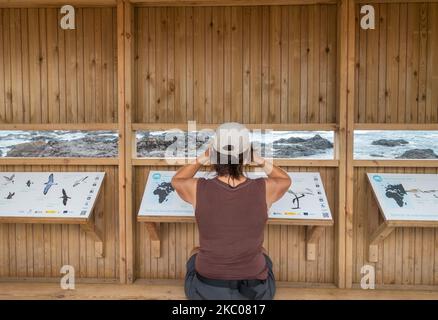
(97, 235)
(154, 236)
(375, 238)
(313, 233)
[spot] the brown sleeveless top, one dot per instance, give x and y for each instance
(231, 225)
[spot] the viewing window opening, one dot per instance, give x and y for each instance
(59, 143)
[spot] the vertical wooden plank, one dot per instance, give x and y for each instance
(98, 65)
(209, 30)
(218, 65)
(332, 69)
(382, 107)
(274, 64)
(412, 56)
(392, 62)
(199, 58)
(16, 66)
(180, 65)
(246, 63)
(151, 75)
(161, 64)
(34, 66)
(176, 107)
(265, 38)
(422, 72)
(294, 64)
(432, 65)
(43, 64)
(25, 64)
(402, 64)
(236, 64)
(189, 64)
(305, 52)
(256, 64)
(2, 73)
(52, 66)
(284, 64)
(228, 54)
(323, 64)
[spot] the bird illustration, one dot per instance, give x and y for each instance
(64, 197)
(28, 183)
(78, 182)
(298, 195)
(9, 180)
(49, 184)
(10, 195)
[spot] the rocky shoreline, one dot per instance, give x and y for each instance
(91, 146)
(103, 144)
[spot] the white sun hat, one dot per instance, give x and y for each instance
(231, 139)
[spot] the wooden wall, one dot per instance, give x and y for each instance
(409, 256)
(264, 64)
(396, 84)
(294, 65)
(51, 75)
(40, 250)
(397, 65)
(57, 77)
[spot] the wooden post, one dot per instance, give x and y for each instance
(122, 139)
(375, 238)
(91, 229)
(312, 236)
(154, 234)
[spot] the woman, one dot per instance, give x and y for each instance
(231, 211)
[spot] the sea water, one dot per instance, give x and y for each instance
(363, 147)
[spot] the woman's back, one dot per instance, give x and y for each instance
(231, 225)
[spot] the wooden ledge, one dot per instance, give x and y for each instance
(174, 289)
(313, 233)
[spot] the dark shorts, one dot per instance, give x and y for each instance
(197, 290)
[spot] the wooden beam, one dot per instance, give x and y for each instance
(154, 235)
(375, 239)
(179, 3)
(396, 126)
(420, 163)
(250, 126)
(55, 3)
(392, 1)
(278, 162)
(273, 221)
(312, 237)
(22, 161)
(59, 126)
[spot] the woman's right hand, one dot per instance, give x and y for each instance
(260, 161)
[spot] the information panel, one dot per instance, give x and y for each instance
(306, 198)
(406, 196)
(49, 194)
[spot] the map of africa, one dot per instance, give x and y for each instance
(406, 196)
(163, 190)
(397, 193)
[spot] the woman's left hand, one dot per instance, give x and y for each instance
(204, 158)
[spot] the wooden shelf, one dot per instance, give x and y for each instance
(314, 230)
